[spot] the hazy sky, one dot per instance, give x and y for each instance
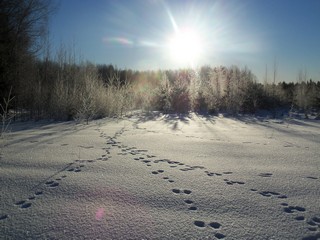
(139, 34)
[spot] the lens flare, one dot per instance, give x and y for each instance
(100, 213)
(118, 40)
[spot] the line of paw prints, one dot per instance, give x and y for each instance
(297, 211)
(143, 157)
(193, 208)
(51, 184)
(140, 155)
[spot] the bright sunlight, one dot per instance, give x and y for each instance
(186, 46)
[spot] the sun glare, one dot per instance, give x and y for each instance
(185, 46)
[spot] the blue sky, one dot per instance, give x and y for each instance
(136, 34)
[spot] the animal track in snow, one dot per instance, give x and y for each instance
(25, 205)
(313, 178)
(52, 184)
(314, 224)
(215, 225)
(168, 161)
(86, 147)
(265, 175)
(229, 182)
(190, 168)
(200, 224)
(187, 201)
(211, 174)
(219, 235)
(4, 216)
(271, 193)
(316, 220)
(292, 209)
(169, 180)
(193, 208)
(299, 218)
(186, 191)
(157, 172)
(37, 193)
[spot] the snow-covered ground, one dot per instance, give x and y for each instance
(162, 177)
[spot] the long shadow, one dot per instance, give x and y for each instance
(170, 119)
(260, 121)
(48, 126)
(207, 117)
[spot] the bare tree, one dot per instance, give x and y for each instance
(23, 26)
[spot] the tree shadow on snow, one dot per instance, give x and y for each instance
(170, 119)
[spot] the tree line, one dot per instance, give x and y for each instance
(42, 85)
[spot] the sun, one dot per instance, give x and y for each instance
(185, 46)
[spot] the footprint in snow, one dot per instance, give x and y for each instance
(271, 193)
(211, 174)
(52, 184)
(313, 178)
(192, 208)
(157, 172)
(219, 235)
(214, 225)
(299, 218)
(187, 201)
(38, 193)
(23, 204)
(233, 182)
(265, 175)
(292, 209)
(200, 224)
(169, 180)
(3, 217)
(314, 224)
(177, 191)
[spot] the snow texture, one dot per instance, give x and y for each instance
(155, 176)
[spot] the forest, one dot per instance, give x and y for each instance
(36, 83)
